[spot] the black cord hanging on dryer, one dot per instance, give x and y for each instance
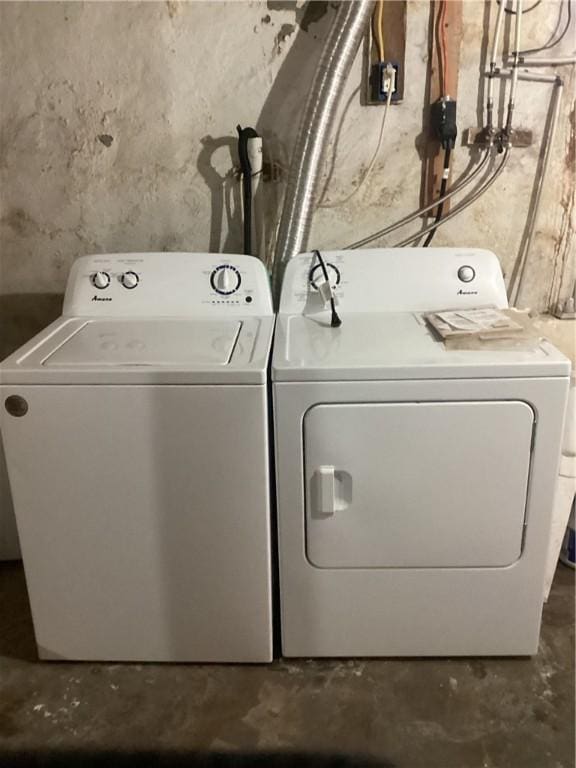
(335, 321)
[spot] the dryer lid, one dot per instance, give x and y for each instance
(395, 345)
(103, 343)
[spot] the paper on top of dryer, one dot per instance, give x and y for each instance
(484, 321)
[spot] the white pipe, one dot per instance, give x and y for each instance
(537, 62)
(497, 31)
(493, 61)
(531, 77)
(557, 96)
(516, 56)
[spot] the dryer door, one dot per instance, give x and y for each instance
(411, 485)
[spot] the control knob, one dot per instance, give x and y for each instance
(316, 276)
(225, 279)
(101, 280)
(466, 274)
(130, 280)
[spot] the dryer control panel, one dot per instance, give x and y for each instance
(167, 285)
(394, 280)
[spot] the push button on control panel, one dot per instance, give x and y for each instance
(466, 274)
(100, 280)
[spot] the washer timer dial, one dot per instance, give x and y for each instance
(225, 279)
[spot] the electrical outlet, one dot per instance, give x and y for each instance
(379, 50)
(380, 78)
(389, 77)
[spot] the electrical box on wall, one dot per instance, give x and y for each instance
(382, 82)
(385, 50)
(444, 43)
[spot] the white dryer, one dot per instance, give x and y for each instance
(136, 436)
(414, 482)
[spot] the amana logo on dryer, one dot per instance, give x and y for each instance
(467, 293)
(101, 298)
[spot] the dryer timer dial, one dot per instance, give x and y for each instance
(316, 275)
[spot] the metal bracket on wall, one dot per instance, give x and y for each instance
(272, 171)
(394, 17)
(475, 137)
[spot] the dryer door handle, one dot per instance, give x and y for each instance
(325, 490)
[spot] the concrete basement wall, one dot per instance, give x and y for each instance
(118, 133)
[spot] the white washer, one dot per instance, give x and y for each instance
(136, 436)
(415, 483)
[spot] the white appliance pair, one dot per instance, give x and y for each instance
(414, 482)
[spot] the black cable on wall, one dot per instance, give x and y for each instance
(244, 134)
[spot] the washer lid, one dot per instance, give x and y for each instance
(395, 345)
(195, 350)
(148, 342)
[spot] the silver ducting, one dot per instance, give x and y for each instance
(335, 62)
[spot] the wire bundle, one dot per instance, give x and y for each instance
(553, 40)
(503, 146)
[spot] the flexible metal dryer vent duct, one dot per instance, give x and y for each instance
(345, 34)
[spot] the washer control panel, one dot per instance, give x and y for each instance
(394, 280)
(168, 285)
(102, 280)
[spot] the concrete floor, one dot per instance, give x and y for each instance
(439, 713)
